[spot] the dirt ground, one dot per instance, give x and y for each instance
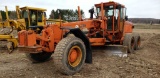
(144, 63)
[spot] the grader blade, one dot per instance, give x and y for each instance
(111, 50)
(119, 50)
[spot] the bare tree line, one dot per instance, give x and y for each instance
(145, 20)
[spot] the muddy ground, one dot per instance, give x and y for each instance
(144, 63)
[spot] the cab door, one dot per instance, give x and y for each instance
(40, 18)
(112, 22)
(122, 14)
(110, 17)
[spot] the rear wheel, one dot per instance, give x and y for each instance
(137, 41)
(69, 55)
(129, 41)
(39, 57)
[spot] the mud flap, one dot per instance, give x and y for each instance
(78, 33)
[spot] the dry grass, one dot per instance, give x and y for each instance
(147, 26)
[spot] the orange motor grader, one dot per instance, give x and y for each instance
(71, 42)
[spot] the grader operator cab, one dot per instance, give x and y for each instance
(35, 18)
(71, 42)
(27, 18)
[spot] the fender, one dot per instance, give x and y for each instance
(78, 33)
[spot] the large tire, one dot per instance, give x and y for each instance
(137, 41)
(39, 57)
(69, 55)
(129, 41)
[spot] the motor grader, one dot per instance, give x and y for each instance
(27, 18)
(70, 43)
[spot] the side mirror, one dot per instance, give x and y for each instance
(45, 15)
(58, 11)
(91, 11)
(126, 17)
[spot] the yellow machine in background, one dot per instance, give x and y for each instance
(55, 21)
(27, 18)
(35, 18)
(18, 23)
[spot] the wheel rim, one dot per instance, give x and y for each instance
(75, 56)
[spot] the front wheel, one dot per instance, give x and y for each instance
(69, 55)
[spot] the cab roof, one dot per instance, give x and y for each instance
(109, 3)
(33, 8)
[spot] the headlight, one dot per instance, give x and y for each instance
(76, 26)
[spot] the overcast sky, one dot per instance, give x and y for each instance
(135, 8)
